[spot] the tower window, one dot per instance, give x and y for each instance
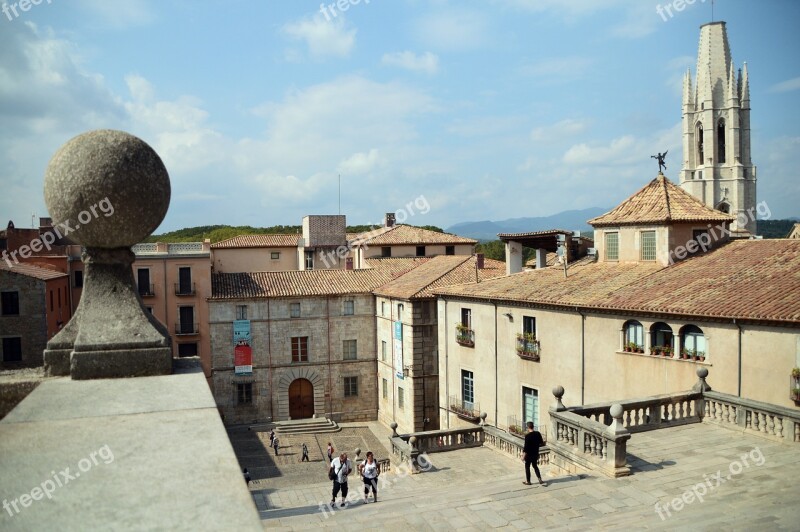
(700, 145)
(721, 141)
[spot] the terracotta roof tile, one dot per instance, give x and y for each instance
(296, 283)
(658, 202)
(405, 234)
(756, 280)
(29, 270)
(443, 270)
(259, 241)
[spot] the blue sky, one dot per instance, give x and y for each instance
(489, 109)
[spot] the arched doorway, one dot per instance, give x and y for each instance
(301, 399)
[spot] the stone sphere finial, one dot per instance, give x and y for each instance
(558, 392)
(393, 426)
(702, 372)
(616, 410)
(483, 418)
(110, 188)
(413, 441)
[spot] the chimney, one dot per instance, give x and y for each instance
(388, 220)
(479, 261)
(348, 263)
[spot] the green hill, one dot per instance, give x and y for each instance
(215, 233)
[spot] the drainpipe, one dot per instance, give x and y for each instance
(496, 382)
(270, 375)
(739, 392)
(446, 366)
(583, 354)
(330, 376)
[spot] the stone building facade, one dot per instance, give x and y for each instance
(34, 306)
(312, 342)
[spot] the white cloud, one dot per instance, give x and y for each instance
(555, 70)
(120, 13)
(360, 163)
(626, 150)
(456, 29)
(427, 62)
(323, 38)
(786, 86)
(560, 131)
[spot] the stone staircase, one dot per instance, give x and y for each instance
(302, 426)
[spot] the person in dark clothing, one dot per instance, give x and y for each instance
(247, 476)
(530, 454)
(305, 454)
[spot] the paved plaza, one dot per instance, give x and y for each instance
(703, 477)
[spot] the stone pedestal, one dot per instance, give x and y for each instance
(108, 190)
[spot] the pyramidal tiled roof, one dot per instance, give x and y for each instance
(660, 201)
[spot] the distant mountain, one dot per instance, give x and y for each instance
(487, 230)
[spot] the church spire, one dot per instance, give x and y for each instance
(717, 168)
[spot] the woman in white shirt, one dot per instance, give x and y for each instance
(370, 472)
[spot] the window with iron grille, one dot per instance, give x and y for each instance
(612, 246)
(300, 349)
(187, 349)
(467, 388)
(648, 245)
(349, 349)
(351, 386)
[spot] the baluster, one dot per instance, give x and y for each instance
(604, 449)
(772, 424)
(763, 422)
(673, 409)
(755, 419)
(779, 429)
(598, 446)
(797, 432)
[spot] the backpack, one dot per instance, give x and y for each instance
(333, 474)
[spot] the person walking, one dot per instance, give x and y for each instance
(305, 454)
(369, 473)
(530, 454)
(330, 452)
(275, 444)
(247, 476)
(271, 437)
(341, 468)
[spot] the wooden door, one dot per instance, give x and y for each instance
(301, 399)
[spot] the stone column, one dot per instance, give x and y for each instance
(108, 190)
(513, 257)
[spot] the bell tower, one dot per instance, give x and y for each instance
(717, 168)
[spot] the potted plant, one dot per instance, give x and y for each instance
(701, 356)
(796, 394)
(516, 430)
(685, 353)
(655, 350)
(666, 351)
(796, 373)
(627, 347)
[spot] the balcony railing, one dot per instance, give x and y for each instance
(186, 328)
(465, 336)
(184, 289)
(528, 347)
(147, 290)
(469, 411)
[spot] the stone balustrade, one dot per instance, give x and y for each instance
(649, 413)
(578, 442)
(753, 417)
(512, 445)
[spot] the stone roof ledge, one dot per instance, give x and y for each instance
(146, 453)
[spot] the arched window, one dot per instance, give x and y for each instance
(724, 207)
(699, 135)
(693, 342)
(634, 336)
(661, 339)
(721, 141)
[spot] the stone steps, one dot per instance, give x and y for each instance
(306, 426)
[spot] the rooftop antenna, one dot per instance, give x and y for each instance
(340, 193)
(712, 10)
(33, 221)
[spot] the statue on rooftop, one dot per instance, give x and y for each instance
(660, 157)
